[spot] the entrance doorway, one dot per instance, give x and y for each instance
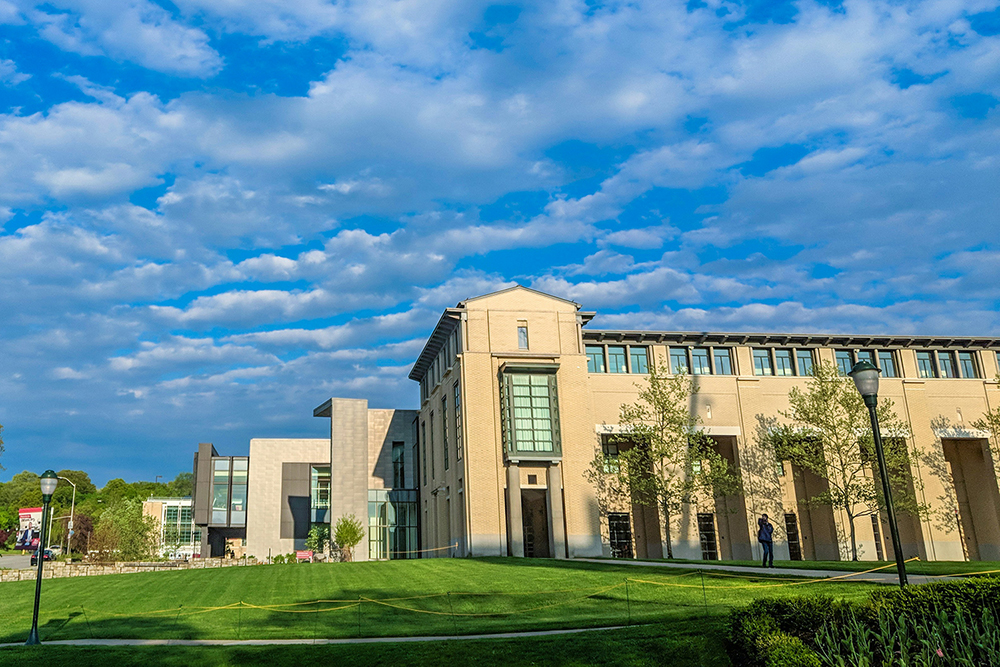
(706, 533)
(976, 497)
(620, 532)
(792, 533)
(535, 521)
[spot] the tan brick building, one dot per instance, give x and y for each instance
(516, 395)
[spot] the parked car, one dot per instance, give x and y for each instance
(56, 549)
(46, 556)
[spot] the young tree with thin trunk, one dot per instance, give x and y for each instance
(829, 435)
(347, 534)
(664, 460)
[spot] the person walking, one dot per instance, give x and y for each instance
(764, 535)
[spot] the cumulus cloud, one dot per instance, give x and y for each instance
(206, 259)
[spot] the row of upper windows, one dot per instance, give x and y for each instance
(444, 360)
(780, 361)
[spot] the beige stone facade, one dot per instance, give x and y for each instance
(498, 481)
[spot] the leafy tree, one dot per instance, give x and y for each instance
(125, 533)
(664, 461)
(1, 443)
(318, 538)
(829, 434)
(347, 534)
(183, 485)
(83, 529)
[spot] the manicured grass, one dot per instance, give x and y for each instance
(930, 568)
(694, 643)
(401, 598)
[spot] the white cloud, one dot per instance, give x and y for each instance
(136, 30)
(8, 73)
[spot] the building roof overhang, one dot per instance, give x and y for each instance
(787, 339)
(446, 324)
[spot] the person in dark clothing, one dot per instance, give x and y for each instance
(764, 532)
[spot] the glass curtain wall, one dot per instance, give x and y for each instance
(392, 524)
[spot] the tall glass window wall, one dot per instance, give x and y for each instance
(531, 415)
(220, 491)
(458, 422)
(238, 500)
(398, 466)
(392, 524)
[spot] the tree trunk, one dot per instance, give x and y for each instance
(854, 539)
(666, 523)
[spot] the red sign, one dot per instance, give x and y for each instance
(29, 528)
(304, 555)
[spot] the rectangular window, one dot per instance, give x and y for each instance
(925, 365)
(804, 358)
(611, 464)
(595, 358)
(444, 431)
(946, 364)
(616, 359)
(171, 517)
(220, 471)
(532, 415)
(678, 360)
(238, 505)
(423, 449)
(723, 361)
(887, 362)
(783, 362)
(430, 444)
(522, 335)
(867, 355)
(998, 359)
(967, 364)
(762, 362)
(640, 359)
(845, 361)
(699, 361)
(220, 502)
(398, 466)
(458, 422)
(320, 487)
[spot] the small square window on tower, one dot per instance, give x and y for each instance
(522, 335)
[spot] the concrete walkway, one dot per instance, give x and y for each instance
(282, 642)
(886, 576)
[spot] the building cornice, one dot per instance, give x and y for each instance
(788, 339)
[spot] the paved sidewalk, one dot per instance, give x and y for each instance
(273, 642)
(886, 576)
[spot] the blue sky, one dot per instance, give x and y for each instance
(215, 215)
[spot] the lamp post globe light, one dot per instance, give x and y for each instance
(48, 483)
(865, 376)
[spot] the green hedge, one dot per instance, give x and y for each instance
(780, 632)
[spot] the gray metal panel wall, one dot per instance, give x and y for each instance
(201, 500)
(296, 480)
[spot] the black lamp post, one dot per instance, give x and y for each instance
(48, 482)
(865, 376)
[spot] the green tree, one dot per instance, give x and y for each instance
(183, 485)
(829, 434)
(347, 534)
(990, 422)
(125, 533)
(664, 460)
(318, 538)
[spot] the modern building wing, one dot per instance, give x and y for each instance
(265, 504)
(517, 397)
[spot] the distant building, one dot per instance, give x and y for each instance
(517, 397)
(178, 537)
(264, 505)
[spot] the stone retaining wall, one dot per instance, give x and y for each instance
(57, 570)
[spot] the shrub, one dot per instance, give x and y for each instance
(774, 632)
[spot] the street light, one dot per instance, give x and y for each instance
(865, 376)
(69, 528)
(48, 483)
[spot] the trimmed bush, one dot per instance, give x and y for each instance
(783, 631)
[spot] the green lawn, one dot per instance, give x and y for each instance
(401, 598)
(696, 643)
(914, 567)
